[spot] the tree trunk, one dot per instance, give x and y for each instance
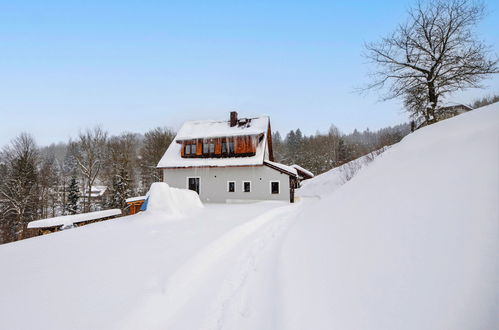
(433, 98)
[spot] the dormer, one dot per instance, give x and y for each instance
(232, 142)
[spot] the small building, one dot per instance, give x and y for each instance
(303, 174)
(134, 204)
(99, 195)
(228, 161)
(450, 111)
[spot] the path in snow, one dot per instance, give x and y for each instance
(214, 282)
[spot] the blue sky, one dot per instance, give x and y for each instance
(135, 65)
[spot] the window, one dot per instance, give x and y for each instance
(193, 184)
(231, 147)
(274, 187)
(187, 149)
(208, 148)
(246, 186)
(224, 147)
(193, 149)
(231, 186)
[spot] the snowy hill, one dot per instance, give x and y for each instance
(410, 242)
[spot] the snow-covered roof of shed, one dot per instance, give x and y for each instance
(66, 220)
(135, 199)
(283, 167)
(301, 169)
(210, 129)
(199, 129)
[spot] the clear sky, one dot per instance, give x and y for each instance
(134, 65)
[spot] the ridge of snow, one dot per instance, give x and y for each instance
(331, 180)
(68, 220)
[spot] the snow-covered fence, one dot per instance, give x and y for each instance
(50, 225)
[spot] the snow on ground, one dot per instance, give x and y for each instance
(410, 242)
(93, 276)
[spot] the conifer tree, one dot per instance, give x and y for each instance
(120, 189)
(72, 204)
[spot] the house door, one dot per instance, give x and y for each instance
(193, 184)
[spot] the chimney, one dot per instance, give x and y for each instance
(233, 118)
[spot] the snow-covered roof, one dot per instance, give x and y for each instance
(211, 129)
(283, 167)
(199, 129)
(96, 191)
(67, 220)
(135, 199)
(301, 169)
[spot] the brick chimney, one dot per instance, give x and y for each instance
(233, 118)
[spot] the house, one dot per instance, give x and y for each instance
(228, 161)
(99, 194)
(450, 111)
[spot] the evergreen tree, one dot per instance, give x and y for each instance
(120, 190)
(72, 204)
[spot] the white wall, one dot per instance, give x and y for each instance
(214, 187)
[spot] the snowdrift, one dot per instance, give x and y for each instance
(328, 182)
(410, 242)
(171, 201)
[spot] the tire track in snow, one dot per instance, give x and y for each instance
(160, 309)
(232, 304)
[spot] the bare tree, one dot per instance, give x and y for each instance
(154, 146)
(89, 155)
(435, 53)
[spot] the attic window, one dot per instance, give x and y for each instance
(189, 149)
(208, 148)
(227, 147)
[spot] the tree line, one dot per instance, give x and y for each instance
(41, 182)
(321, 152)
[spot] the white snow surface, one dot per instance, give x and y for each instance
(410, 242)
(199, 129)
(68, 220)
(299, 168)
(171, 201)
(283, 167)
(135, 199)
